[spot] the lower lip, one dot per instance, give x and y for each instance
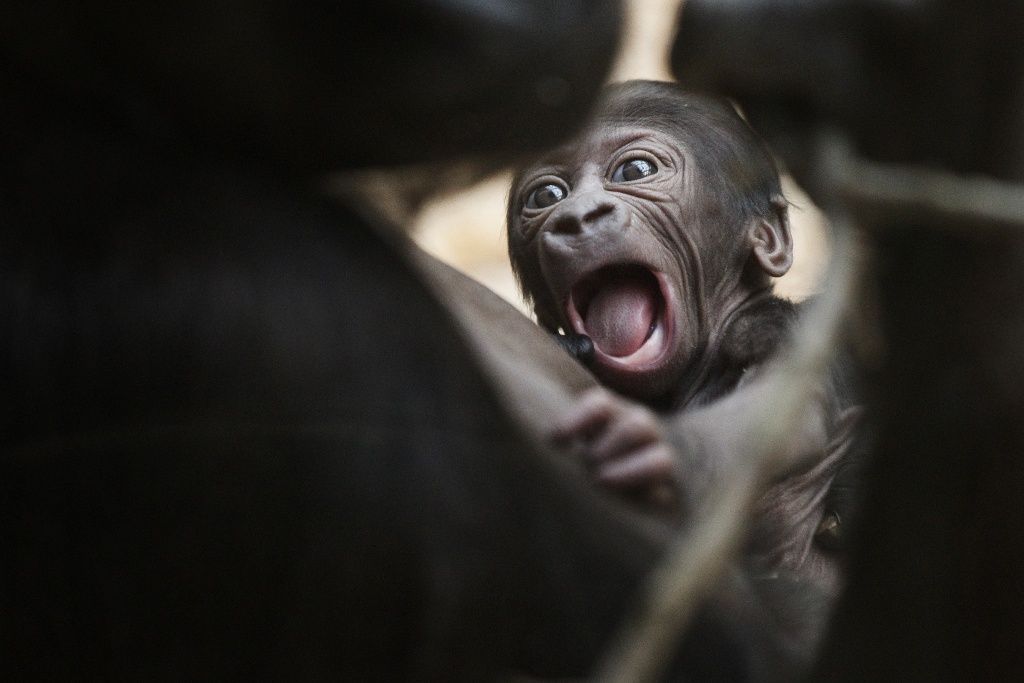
(655, 349)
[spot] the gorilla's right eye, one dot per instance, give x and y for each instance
(545, 195)
(634, 169)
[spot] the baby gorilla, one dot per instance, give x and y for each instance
(655, 234)
(650, 242)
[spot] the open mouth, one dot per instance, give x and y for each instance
(623, 309)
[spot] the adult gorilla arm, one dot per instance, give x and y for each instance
(262, 459)
(240, 438)
(534, 377)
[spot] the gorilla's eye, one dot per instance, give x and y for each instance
(829, 534)
(545, 195)
(634, 169)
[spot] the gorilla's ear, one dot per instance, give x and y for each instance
(772, 241)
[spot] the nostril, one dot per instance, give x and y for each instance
(567, 223)
(577, 218)
(597, 212)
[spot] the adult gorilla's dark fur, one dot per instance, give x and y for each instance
(240, 437)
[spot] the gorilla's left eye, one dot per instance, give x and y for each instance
(545, 195)
(634, 169)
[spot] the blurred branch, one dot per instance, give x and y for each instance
(937, 198)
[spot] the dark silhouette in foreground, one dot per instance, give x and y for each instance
(934, 590)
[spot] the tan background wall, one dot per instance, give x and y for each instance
(466, 228)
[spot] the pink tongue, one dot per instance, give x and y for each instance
(620, 316)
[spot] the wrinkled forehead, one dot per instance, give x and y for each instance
(597, 143)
